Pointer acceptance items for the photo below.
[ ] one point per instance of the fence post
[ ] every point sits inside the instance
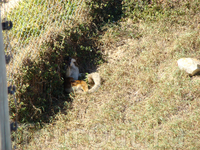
(5, 140)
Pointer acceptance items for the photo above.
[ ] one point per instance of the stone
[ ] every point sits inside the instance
(190, 65)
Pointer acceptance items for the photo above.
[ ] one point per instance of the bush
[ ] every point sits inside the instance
(105, 11)
(40, 81)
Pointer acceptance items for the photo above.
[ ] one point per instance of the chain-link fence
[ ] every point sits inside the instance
(44, 32)
(31, 20)
(35, 47)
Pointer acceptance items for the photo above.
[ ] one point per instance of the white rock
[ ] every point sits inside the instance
(190, 65)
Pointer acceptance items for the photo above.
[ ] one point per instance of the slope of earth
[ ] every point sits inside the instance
(145, 101)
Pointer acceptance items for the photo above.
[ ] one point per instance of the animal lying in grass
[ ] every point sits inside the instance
(80, 86)
(71, 82)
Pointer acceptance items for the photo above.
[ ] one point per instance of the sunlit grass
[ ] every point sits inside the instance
(145, 101)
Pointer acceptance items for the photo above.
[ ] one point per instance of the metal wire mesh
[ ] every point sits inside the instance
(31, 19)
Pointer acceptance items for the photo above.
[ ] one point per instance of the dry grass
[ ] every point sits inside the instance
(145, 101)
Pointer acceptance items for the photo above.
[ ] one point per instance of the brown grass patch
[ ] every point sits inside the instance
(145, 101)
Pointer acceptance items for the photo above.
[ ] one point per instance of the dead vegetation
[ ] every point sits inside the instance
(145, 101)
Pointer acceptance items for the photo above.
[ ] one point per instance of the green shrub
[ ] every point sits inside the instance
(40, 82)
(105, 11)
